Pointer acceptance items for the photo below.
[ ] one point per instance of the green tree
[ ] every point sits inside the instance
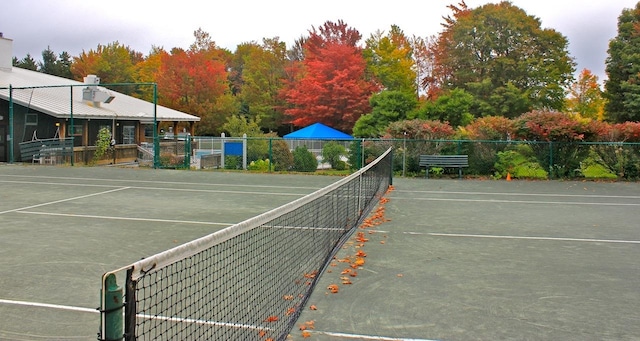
(26, 63)
(453, 107)
(622, 89)
(386, 107)
(303, 160)
(56, 65)
(497, 50)
(389, 59)
(238, 126)
(257, 75)
(332, 153)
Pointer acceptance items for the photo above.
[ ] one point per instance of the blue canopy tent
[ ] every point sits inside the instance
(318, 131)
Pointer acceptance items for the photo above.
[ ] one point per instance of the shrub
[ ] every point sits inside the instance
(332, 153)
(103, 144)
(259, 165)
(303, 160)
(520, 163)
(281, 155)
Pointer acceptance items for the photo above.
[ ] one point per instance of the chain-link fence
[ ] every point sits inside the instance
(519, 159)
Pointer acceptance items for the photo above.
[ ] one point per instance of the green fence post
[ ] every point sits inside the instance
(187, 152)
(112, 309)
(550, 160)
(156, 138)
(10, 124)
(270, 153)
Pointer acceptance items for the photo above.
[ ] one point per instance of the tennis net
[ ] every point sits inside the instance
(250, 280)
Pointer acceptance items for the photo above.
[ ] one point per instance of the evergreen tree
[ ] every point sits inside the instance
(622, 89)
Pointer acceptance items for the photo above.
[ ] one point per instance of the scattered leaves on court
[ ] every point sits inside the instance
(333, 288)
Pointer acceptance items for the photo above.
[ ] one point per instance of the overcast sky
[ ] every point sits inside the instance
(77, 25)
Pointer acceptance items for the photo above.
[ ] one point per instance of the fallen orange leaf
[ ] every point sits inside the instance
(306, 334)
(271, 318)
(333, 288)
(313, 307)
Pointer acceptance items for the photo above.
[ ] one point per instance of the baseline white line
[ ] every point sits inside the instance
(365, 337)
(158, 188)
(64, 200)
(126, 218)
(494, 201)
(46, 305)
(527, 238)
(155, 182)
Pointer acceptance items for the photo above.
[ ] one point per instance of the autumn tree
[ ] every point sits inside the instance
(585, 96)
(497, 50)
(622, 89)
(148, 70)
(190, 82)
(423, 65)
(195, 81)
(113, 63)
(390, 60)
(332, 87)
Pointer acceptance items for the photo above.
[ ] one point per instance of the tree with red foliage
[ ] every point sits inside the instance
(332, 86)
(192, 82)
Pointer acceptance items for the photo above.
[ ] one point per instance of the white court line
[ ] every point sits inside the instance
(126, 218)
(494, 201)
(365, 337)
(203, 322)
(527, 238)
(46, 305)
(64, 200)
(528, 194)
(154, 182)
(158, 188)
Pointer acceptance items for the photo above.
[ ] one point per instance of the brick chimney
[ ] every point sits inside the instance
(6, 53)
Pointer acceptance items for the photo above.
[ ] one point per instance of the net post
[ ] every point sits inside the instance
(111, 309)
(130, 307)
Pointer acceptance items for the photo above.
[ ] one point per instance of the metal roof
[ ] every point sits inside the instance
(55, 101)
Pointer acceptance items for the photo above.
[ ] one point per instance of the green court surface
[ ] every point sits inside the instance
(458, 260)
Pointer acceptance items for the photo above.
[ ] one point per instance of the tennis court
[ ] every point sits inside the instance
(458, 260)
